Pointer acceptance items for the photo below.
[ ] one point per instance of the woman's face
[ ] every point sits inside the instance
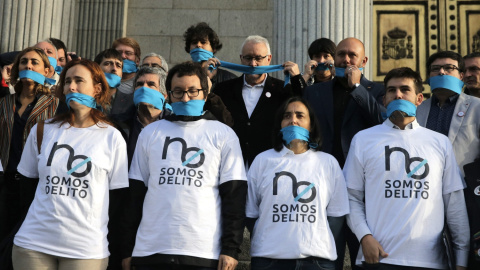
(32, 61)
(78, 79)
(296, 115)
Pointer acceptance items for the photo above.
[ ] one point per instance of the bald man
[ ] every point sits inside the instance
(344, 106)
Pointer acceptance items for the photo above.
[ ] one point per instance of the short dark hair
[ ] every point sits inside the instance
(58, 44)
(446, 54)
(315, 132)
(322, 45)
(108, 53)
(188, 68)
(471, 55)
(201, 32)
(405, 72)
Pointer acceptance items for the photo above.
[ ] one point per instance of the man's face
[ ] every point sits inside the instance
(445, 66)
(186, 87)
(350, 52)
(148, 80)
(152, 61)
(127, 52)
(112, 65)
(472, 73)
(401, 88)
(48, 48)
(202, 44)
(62, 61)
(255, 54)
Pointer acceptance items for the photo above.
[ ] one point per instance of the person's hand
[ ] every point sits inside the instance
(353, 75)
(372, 250)
(212, 61)
(69, 56)
(126, 263)
(6, 71)
(226, 263)
(290, 67)
(308, 69)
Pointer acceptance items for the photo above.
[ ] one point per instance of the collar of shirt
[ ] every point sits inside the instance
(261, 85)
(411, 125)
(451, 99)
(287, 152)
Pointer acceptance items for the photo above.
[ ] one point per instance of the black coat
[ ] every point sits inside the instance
(255, 133)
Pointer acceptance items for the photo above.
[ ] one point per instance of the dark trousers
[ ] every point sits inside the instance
(350, 239)
(171, 267)
(384, 266)
(311, 263)
(10, 213)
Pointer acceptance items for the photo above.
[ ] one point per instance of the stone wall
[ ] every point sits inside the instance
(159, 25)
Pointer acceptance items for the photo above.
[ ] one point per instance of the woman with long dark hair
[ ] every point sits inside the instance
(80, 158)
(297, 196)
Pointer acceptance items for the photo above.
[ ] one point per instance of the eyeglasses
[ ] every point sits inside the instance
(178, 93)
(448, 68)
(127, 53)
(257, 58)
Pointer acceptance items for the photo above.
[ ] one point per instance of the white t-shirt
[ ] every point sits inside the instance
(182, 164)
(76, 169)
(404, 174)
(292, 195)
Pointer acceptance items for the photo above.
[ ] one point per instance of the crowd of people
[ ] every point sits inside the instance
(123, 163)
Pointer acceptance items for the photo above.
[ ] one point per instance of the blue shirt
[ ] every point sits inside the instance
(439, 118)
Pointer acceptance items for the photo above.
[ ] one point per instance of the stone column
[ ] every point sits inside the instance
(98, 24)
(86, 26)
(299, 23)
(25, 22)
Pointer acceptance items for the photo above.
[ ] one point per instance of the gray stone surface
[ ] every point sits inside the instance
(156, 44)
(222, 4)
(150, 4)
(246, 22)
(166, 22)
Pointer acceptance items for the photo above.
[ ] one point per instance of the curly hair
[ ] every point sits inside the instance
(201, 32)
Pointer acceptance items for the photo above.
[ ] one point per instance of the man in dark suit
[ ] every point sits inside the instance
(254, 99)
(344, 106)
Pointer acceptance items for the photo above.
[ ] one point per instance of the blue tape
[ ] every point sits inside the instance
(340, 72)
(304, 191)
(82, 99)
(32, 75)
(417, 168)
(79, 165)
(447, 82)
(129, 66)
(150, 96)
(193, 107)
(199, 55)
(290, 133)
(401, 105)
(192, 157)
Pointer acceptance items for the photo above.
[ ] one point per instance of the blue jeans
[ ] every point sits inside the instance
(311, 263)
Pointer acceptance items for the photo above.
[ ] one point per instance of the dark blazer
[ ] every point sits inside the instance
(472, 200)
(362, 111)
(255, 133)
